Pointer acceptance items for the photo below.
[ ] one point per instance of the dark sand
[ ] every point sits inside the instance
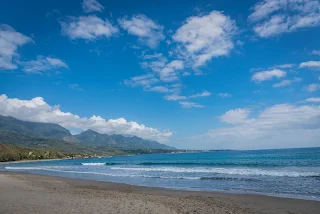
(25, 193)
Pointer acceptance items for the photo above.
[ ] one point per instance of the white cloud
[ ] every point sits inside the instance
(10, 41)
(75, 87)
(185, 104)
(278, 126)
(310, 64)
(160, 89)
(224, 95)
(205, 37)
(143, 80)
(287, 82)
(285, 66)
(91, 6)
(175, 97)
(313, 100)
(316, 52)
(42, 64)
(169, 72)
(313, 87)
(275, 17)
(152, 56)
(205, 93)
(236, 116)
(155, 63)
(37, 110)
(148, 31)
(268, 75)
(87, 27)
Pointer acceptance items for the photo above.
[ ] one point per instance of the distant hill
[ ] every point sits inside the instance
(47, 130)
(48, 135)
(96, 139)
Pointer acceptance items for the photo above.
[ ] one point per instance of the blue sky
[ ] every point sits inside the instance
(198, 74)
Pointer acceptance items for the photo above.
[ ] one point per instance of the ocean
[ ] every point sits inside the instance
(293, 173)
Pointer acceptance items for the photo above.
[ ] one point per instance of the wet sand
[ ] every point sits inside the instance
(26, 193)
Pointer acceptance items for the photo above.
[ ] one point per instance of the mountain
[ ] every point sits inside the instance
(39, 135)
(48, 144)
(36, 142)
(47, 130)
(96, 139)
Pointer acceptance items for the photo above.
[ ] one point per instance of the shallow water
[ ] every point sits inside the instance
(286, 172)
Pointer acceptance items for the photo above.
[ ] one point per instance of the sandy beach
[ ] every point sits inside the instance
(26, 193)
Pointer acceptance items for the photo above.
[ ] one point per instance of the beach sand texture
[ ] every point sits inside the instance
(26, 193)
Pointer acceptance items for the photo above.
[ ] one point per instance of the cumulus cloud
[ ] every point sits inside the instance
(313, 87)
(310, 64)
(236, 116)
(275, 17)
(313, 100)
(268, 75)
(202, 38)
(87, 27)
(185, 104)
(37, 110)
(148, 31)
(224, 95)
(42, 64)
(278, 126)
(91, 6)
(10, 41)
(285, 83)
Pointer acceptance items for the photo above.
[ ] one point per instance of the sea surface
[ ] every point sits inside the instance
(293, 173)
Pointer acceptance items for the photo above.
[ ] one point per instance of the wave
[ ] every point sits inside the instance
(99, 173)
(217, 178)
(228, 179)
(93, 164)
(193, 164)
(229, 171)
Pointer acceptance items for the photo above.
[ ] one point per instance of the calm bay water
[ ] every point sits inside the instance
(286, 172)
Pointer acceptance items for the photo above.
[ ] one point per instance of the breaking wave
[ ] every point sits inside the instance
(228, 171)
(93, 164)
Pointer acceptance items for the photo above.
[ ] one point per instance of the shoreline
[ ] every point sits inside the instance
(29, 161)
(166, 189)
(129, 196)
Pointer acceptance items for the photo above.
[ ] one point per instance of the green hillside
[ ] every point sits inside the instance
(16, 153)
(47, 130)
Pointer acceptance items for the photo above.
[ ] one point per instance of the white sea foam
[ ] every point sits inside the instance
(93, 164)
(102, 173)
(228, 171)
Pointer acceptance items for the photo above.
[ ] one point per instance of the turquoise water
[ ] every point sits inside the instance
(285, 173)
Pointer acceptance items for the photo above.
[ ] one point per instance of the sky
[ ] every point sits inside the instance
(195, 75)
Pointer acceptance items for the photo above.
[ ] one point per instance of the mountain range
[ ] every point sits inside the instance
(22, 133)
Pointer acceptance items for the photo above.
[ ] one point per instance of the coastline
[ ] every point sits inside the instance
(29, 161)
(23, 193)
